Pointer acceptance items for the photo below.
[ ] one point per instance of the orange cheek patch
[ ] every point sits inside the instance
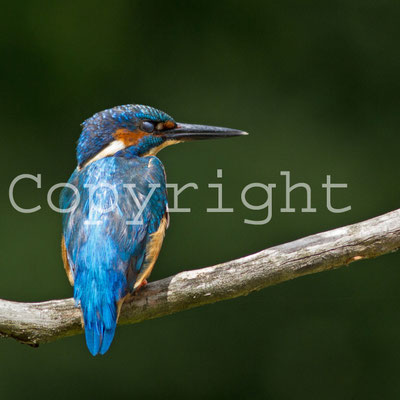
(165, 125)
(129, 138)
(169, 125)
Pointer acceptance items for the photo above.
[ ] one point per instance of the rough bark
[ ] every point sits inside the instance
(35, 323)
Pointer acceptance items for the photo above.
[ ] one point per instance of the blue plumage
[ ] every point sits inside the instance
(105, 253)
(113, 231)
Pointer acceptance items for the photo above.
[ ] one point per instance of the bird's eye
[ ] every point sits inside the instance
(147, 127)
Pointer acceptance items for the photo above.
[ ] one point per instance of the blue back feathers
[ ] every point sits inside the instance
(104, 252)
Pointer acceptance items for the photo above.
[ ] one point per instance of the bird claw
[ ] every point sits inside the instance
(143, 284)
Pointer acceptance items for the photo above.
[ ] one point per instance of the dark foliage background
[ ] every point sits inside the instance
(316, 83)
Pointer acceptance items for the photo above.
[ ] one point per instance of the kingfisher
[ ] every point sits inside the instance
(115, 209)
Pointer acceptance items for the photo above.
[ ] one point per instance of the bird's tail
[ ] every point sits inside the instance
(100, 320)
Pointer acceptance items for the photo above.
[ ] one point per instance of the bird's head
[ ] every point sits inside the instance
(139, 130)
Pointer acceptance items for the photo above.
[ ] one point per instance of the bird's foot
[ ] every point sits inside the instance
(143, 284)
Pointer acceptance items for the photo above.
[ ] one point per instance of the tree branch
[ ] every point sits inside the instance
(35, 323)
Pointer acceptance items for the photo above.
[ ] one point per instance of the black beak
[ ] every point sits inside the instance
(200, 132)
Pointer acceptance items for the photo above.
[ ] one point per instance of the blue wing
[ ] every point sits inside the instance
(109, 248)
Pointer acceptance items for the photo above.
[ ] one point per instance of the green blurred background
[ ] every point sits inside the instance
(316, 83)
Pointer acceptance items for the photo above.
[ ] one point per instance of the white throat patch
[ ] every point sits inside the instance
(110, 150)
